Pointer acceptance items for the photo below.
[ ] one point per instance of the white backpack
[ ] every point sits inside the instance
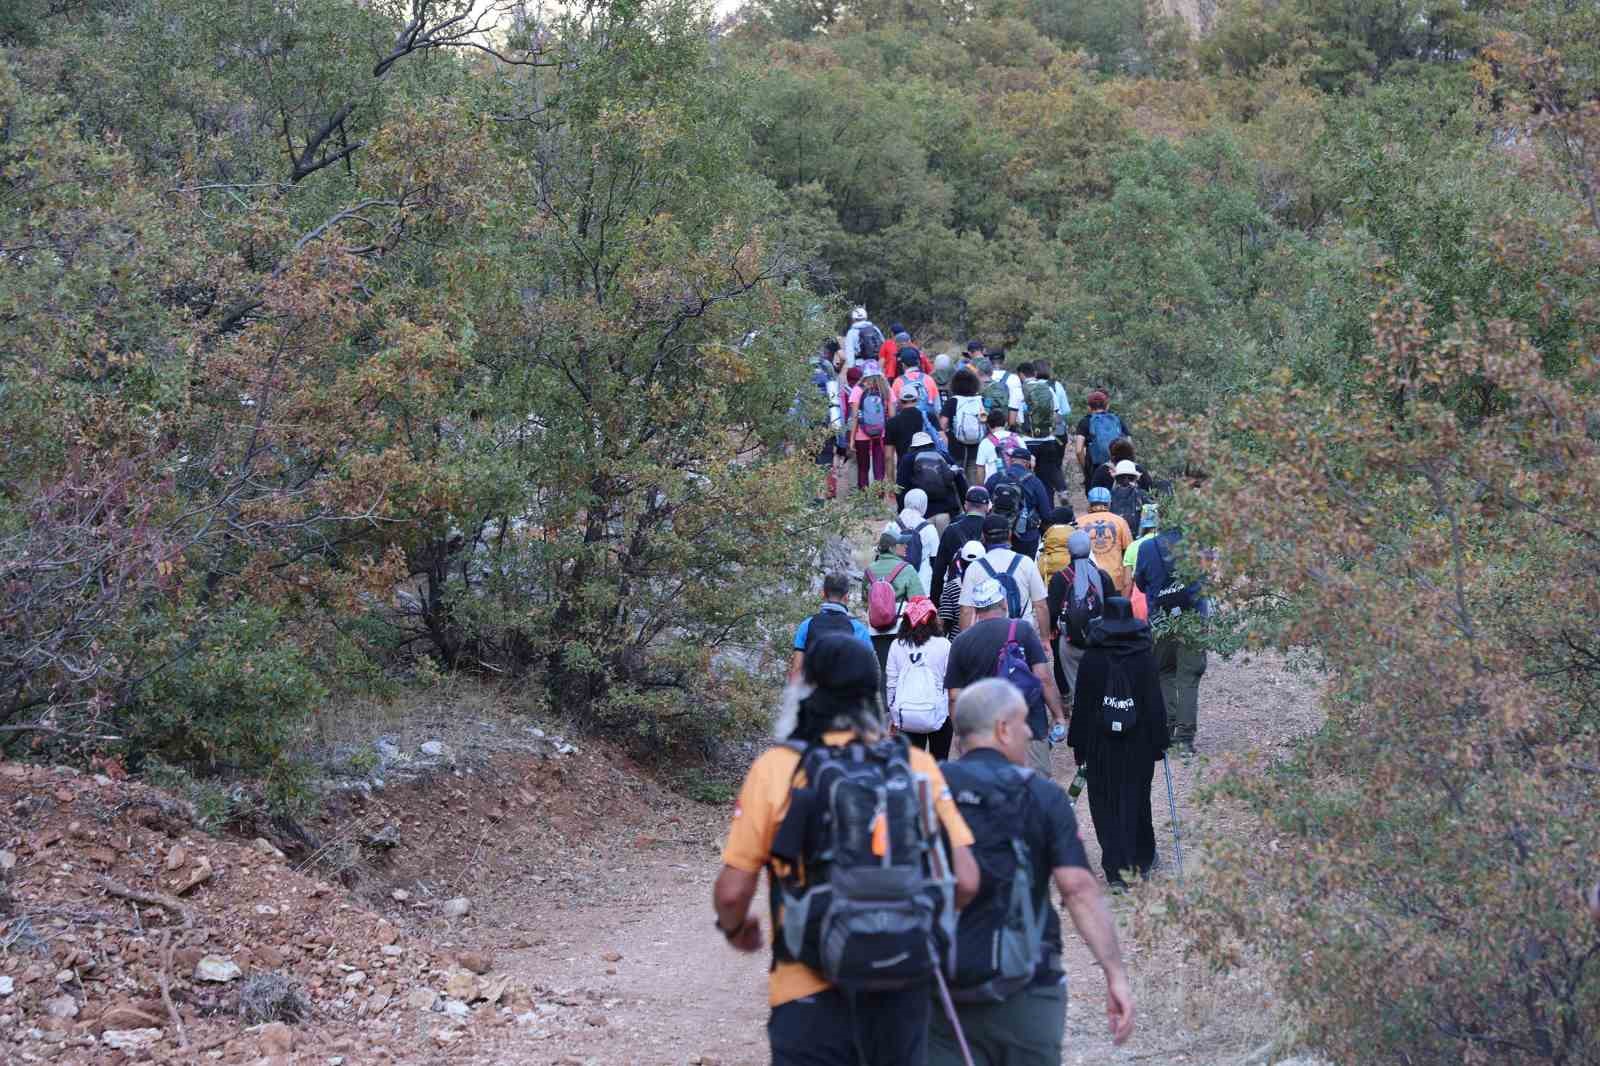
(919, 705)
(969, 420)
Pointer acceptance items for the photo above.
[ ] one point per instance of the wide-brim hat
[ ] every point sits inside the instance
(1117, 619)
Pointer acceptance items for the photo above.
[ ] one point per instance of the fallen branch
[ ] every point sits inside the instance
(153, 899)
(166, 988)
(53, 731)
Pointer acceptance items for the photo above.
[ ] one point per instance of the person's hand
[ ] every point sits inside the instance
(748, 938)
(1119, 1007)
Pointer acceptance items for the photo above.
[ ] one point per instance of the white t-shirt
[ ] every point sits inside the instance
(989, 457)
(1013, 388)
(1029, 583)
(935, 653)
(930, 543)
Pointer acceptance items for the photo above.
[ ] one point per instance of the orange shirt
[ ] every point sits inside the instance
(764, 800)
(1109, 538)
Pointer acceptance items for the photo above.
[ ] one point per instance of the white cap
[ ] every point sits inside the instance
(920, 437)
(858, 314)
(987, 593)
(972, 551)
(1126, 468)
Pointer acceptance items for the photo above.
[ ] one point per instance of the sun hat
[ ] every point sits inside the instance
(920, 437)
(1126, 468)
(987, 593)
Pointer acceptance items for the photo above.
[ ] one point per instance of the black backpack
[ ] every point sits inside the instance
(931, 473)
(869, 901)
(914, 548)
(1119, 710)
(1000, 936)
(869, 341)
(1127, 501)
(1006, 496)
(1076, 617)
(825, 622)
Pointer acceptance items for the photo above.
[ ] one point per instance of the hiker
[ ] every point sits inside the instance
(1004, 379)
(968, 527)
(1127, 498)
(887, 583)
(1118, 734)
(1109, 537)
(862, 341)
(832, 617)
(1094, 434)
(1149, 524)
(944, 370)
(1017, 574)
(924, 467)
(950, 594)
(918, 375)
(993, 645)
(1180, 661)
(888, 352)
(1018, 492)
(1077, 596)
(1054, 557)
(997, 440)
(963, 418)
(913, 522)
(824, 376)
(914, 678)
(831, 715)
(869, 415)
(1121, 451)
(1063, 410)
(905, 423)
(1010, 986)
(1039, 423)
(904, 356)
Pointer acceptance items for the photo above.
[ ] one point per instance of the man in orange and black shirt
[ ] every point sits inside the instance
(813, 1023)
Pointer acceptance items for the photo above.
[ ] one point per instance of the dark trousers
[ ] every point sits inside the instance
(869, 452)
(1025, 1030)
(1047, 455)
(869, 1029)
(881, 645)
(1119, 804)
(1181, 667)
(936, 743)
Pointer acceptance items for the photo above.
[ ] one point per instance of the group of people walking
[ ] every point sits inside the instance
(997, 624)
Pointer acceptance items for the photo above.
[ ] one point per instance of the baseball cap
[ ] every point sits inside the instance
(1149, 516)
(920, 437)
(978, 494)
(859, 314)
(1019, 451)
(972, 551)
(908, 394)
(1126, 468)
(996, 527)
(987, 593)
(1099, 494)
(974, 346)
(983, 364)
(892, 538)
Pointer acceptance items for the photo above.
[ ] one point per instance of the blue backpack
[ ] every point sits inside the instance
(1008, 582)
(1104, 427)
(1012, 665)
(872, 416)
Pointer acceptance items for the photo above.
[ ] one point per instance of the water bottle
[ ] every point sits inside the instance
(1075, 789)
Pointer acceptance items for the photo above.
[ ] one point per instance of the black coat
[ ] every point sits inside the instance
(1090, 743)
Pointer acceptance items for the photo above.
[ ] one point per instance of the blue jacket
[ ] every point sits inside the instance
(1155, 573)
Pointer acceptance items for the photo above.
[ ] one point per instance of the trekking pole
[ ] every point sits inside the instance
(950, 1012)
(1172, 805)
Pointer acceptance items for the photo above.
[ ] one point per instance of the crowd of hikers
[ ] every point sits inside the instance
(909, 890)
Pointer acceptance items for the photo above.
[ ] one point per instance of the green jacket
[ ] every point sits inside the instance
(907, 585)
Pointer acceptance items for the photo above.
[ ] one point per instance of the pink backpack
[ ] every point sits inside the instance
(883, 605)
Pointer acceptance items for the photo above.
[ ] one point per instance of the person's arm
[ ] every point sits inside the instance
(1092, 918)
(967, 876)
(969, 615)
(891, 679)
(1046, 674)
(797, 661)
(1041, 624)
(731, 897)
(952, 694)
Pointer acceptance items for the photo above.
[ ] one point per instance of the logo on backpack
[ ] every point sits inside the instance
(883, 603)
(968, 422)
(1104, 427)
(870, 903)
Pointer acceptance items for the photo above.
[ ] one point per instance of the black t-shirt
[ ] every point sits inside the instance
(899, 430)
(976, 651)
(1049, 832)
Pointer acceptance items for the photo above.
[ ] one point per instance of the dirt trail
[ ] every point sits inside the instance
(637, 975)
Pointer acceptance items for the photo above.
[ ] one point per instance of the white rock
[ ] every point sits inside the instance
(66, 977)
(394, 951)
(527, 1018)
(459, 907)
(353, 979)
(399, 895)
(6, 986)
(456, 1009)
(130, 1039)
(61, 1007)
(216, 968)
(7, 860)
(433, 749)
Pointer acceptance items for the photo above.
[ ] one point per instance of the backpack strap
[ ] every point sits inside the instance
(1011, 632)
(983, 561)
(896, 572)
(1016, 561)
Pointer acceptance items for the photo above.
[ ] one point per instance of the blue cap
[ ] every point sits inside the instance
(1099, 494)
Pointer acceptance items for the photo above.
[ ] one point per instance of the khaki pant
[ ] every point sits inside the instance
(1039, 756)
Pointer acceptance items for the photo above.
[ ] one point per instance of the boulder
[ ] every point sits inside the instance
(216, 968)
(129, 1040)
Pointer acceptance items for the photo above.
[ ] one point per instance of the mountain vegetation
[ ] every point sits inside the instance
(345, 343)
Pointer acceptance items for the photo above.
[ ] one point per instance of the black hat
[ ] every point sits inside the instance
(977, 494)
(996, 527)
(974, 346)
(839, 663)
(1117, 620)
